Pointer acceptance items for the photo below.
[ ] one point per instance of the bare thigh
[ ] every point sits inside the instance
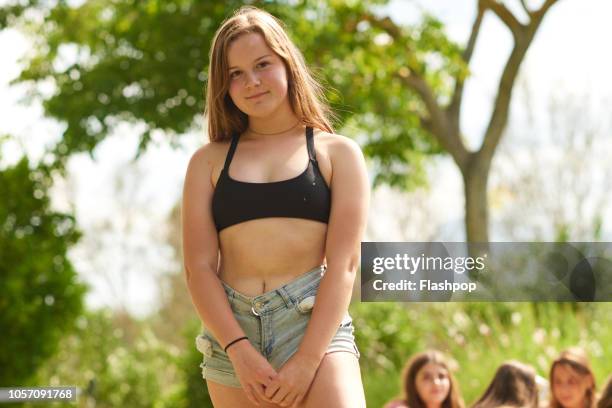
(337, 383)
(223, 396)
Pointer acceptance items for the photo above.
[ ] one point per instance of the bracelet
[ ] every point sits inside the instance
(235, 341)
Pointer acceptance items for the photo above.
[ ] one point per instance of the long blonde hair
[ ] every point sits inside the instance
(305, 94)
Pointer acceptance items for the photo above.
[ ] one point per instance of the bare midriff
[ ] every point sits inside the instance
(261, 255)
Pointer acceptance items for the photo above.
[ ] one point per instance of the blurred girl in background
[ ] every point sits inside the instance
(572, 381)
(427, 382)
(514, 385)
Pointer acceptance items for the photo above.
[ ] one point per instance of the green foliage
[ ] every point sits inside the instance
(119, 362)
(146, 62)
(359, 61)
(383, 339)
(41, 296)
(478, 336)
(11, 12)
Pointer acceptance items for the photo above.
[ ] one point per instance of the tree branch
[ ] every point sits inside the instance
(504, 15)
(385, 24)
(469, 49)
(499, 117)
(542, 10)
(437, 121)
(454, 108)
(524, 4)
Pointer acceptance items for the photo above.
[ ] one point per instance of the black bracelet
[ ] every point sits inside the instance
(235, 341)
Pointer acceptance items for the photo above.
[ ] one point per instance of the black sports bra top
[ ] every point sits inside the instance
(304, 196)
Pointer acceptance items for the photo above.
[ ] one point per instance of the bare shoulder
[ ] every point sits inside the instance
(209, 158)
(210, 153)
(337, 147)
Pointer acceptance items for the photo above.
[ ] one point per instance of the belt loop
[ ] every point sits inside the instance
(289, 302)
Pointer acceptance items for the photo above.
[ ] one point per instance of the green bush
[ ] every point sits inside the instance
(41, 295)
(118, 362)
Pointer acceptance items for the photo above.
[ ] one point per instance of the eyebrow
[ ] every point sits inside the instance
(256, 59)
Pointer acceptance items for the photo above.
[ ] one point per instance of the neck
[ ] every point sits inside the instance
(272, 132)
(280, 121)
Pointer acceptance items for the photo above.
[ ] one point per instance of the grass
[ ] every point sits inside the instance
(478, 337)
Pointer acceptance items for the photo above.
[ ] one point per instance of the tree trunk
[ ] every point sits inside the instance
(475, 178)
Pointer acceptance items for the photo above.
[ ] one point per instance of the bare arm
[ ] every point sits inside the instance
(201, 255)
(350, 198)
(201, 249)
(347, 221)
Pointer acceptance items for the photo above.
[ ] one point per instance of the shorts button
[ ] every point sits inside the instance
(258, 305)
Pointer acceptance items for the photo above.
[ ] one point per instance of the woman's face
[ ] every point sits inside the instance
(258, 78)
(433, 384)
(570, 387)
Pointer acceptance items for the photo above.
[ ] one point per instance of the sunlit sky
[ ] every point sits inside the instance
(569, 56)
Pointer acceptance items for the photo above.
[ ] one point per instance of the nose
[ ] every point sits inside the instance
(252, 79)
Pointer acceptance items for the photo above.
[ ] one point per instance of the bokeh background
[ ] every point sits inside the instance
(480, 120)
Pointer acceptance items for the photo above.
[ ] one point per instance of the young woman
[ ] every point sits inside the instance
(428, 383)
(571, 380)
(514, 385)
(274, 208)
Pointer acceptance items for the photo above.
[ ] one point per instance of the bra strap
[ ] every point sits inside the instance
(310, 144)
(230, 152)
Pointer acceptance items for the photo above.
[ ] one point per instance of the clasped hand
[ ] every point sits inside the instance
(261, 382)
(292, 383)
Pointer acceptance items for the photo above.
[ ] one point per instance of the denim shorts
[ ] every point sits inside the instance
(275, 323)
